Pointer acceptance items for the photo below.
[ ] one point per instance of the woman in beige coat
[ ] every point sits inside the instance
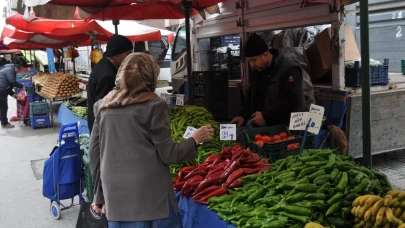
(131, 148)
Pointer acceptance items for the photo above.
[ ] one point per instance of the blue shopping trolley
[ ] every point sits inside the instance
(63, 170)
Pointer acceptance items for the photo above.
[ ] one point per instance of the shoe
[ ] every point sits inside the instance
(9, 125)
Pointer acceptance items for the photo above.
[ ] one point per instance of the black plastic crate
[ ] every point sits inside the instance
(403, 67)
(277, 150)
(378, 75)
(39, 108)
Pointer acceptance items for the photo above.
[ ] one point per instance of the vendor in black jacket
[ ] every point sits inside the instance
(102, 78)
(275, 86)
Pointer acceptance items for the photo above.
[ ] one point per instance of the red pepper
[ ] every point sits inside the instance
(254, 155)
(235, 184)
(205, 192)
(190, 185)
(195, 172)
(252, 160)
(219, 192)
(234, 166)
(211, 158)
(216, 170)
(226, 152)
(249, 171)
(234, 176)
(265, 161)
(211, 180)
(253, 165)
(188, 168)
(235, 148)
(265, 168)
(240, 154)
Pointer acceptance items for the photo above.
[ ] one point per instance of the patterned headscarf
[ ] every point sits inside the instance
(135, 83)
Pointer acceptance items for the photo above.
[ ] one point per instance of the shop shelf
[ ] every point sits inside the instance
(378, 75)
(276, 151)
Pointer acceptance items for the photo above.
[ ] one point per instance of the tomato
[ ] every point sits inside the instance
(297, 145)
(290, 137)
(283, 138)
(260, 143)
(266, 139)
(276, 138)
(258, 137)
(290, 147)
(283, 134)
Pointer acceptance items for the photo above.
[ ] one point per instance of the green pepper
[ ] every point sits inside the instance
(351, 196)
(282, 165)
(346, 212)
(298, 218)
(240, 208)
(283, 176)
(306, 187)
(367, 171)
(258, 194)
(334, 173)
(275, 224)
(343, 182)
(364, 184)
(339, 222)
(320, 218)
(298, 225)
(296, 197)
(335, 198)
(303, 181)
(324, 187)
(271, 192)
(315, 174)
(331, 162)
(242, 222)
(310, 204)
(271, 185)
(334, 208)
(226, 211)
(337, 179)
(305, 172)
(315, 157)
(316, 163)
(225, 204)
(221, 199)
(290, 185)
(250, 178)
(315, 196)
(322, 179)
(346, 166)
(298, 210)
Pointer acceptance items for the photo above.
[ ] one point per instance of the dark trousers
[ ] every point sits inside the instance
(3, 110)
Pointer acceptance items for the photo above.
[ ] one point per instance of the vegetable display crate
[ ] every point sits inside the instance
(378, 75)
(26, 82)
(39, 108)
(277, 150)
(88, 182)
(403, 67)
(40, 121)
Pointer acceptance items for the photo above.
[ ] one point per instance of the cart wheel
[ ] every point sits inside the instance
(55, 210)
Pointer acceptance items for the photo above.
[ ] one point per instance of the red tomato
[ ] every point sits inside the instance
(290, 147)
(297, 145)
(276, 138)
(258, 137)
(266, 139)
(283, 138)
(283, 134)
(260, 143)
(290, 137)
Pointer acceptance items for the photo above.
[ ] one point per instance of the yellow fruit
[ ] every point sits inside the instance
(361, 212)
(362, 223)
(402, 205)
(313, 225)
(402, 217)
(398, 221)
(385, 221)
(356, 202)
(377, 206)
(356, 212)
(390, 216)
(397, 203)
(372, 200)
(367, 215)
(369, 224)
(380, 215)
(401, 196)
(353, 210)
(357, 220)
(401, 226)
(364, 199)
(394, 193)
(387, 225)
(387, 198)
(398, 212)
(392, 202)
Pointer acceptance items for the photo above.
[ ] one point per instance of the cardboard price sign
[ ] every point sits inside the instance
(313, 118)
(227, 132)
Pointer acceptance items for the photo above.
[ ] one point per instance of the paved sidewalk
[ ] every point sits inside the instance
(22, 151)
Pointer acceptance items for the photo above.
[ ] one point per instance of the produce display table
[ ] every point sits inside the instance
(51, 100)
(194, 215)
(66, 116)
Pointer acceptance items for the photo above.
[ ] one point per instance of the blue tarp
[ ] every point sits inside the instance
(66, 116)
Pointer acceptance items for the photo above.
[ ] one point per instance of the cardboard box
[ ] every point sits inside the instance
(320, 52)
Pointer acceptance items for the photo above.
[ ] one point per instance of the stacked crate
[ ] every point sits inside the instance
(39, 114)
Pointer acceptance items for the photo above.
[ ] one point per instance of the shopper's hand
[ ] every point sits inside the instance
(97, 209)
(238, 120)
(204, 134)
(258, 119)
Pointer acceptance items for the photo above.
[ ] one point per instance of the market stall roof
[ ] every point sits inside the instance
(10, 51)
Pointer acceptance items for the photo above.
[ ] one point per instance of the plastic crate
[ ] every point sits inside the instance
(88, 181)
(40, 121)
(378, 75)
(39, 108)
(26, 82)
(276, 151)
(35, 98)
(23, 74)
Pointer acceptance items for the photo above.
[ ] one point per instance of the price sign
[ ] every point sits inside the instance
(189, 132)
(180, 100)
(227, 132)
(167, 98)
(315, 117)
(162, 96)
(298, 121)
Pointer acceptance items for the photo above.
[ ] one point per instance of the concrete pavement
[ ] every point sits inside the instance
(22, 151)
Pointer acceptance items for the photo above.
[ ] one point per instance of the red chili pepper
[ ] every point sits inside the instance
(190, 185)
(253, 165)
(216, 170)
(240, 154)
(265, 168)
(211, 158)
(254, 155)
(252, 160)
(195, 172)
(249, 171)
(234, 166)
(226, 152)
(219, 192)
(211, 180)
(188, 168)
(205, 191)
(234, 176)
(265, 161)
(235, 184)
(236, 148)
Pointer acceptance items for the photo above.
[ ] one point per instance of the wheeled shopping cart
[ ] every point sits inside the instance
(63, 170)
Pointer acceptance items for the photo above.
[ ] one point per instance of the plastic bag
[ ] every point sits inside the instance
(298, 37)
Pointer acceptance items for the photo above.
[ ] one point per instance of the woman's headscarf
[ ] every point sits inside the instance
(135, 83)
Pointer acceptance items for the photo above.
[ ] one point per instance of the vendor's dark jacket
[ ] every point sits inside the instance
(8, 80)
(276, 92)
(101, 82)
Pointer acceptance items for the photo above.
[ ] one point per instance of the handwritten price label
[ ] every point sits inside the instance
(189, 132)
(316, 116)
(180, 100)
(227, 132)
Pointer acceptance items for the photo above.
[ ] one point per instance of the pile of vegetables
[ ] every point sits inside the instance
(193, 116)
(319, 186)
(260, 140)
(218, 173)
(371, 210)
(81, 112)
(61, 85)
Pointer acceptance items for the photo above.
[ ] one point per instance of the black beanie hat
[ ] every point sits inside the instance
(118, 44)
(255, 46)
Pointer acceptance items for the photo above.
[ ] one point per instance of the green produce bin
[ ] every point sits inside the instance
(278, 150)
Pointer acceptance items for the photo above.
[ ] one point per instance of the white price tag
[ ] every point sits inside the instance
(189, 132)
(227, 132)
(298, 121)
(162, 96)
(316, 116)
(168, 101)
(180, 100)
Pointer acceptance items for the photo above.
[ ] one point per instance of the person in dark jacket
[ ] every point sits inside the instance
(102, 78)
(275, 86)
(7, 83)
